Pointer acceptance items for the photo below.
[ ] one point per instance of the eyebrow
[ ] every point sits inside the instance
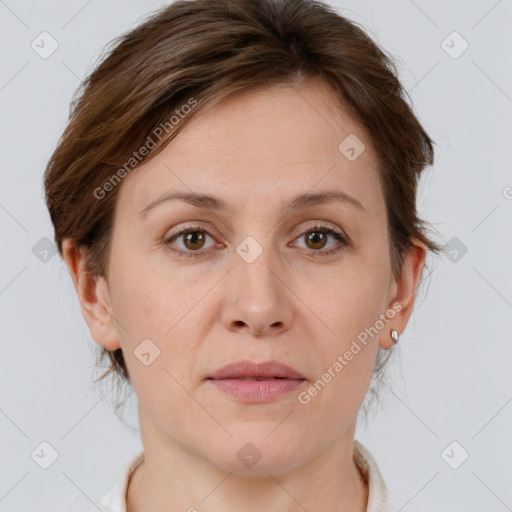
(210, 202)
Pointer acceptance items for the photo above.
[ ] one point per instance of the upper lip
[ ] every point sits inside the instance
(248, 369)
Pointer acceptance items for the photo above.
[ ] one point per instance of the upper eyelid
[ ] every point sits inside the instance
(202, 226)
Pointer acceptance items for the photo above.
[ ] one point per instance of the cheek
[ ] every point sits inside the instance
(351, 310)
(351, 299)
(156, 304)
(148, 298)
(346, 363)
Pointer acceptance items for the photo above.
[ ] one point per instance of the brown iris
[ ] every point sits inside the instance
(192, 238)
(315, 237)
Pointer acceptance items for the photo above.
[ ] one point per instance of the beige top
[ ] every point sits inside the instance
(115, 500)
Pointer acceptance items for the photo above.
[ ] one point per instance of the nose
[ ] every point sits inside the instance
(257, 299)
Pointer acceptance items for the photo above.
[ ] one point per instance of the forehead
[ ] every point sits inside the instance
(261, 144)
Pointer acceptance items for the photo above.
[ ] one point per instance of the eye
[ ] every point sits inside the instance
(194, 238)
(317, 237)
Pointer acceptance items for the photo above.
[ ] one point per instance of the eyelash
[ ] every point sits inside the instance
(344, 242)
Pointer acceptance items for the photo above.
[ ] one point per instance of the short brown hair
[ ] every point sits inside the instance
(207, 50)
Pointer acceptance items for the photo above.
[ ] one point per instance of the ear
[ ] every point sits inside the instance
(93, 296)
(403, 291)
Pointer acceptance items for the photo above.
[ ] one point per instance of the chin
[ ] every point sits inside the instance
(258, 451)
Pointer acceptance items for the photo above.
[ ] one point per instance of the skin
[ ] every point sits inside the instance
(255, 150)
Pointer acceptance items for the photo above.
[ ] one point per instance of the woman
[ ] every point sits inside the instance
(235, 198)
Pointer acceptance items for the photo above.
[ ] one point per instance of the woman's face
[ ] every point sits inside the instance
(253, 282)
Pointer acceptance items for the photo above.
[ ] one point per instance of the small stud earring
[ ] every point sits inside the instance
(394, 335)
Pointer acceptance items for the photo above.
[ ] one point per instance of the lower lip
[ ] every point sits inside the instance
(256, 390)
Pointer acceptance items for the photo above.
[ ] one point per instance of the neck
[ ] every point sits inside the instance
(173, 478)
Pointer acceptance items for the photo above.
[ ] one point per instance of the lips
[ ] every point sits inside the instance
(256, 383)
(249, 370)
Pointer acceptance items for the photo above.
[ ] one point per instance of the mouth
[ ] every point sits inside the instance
(246, 381)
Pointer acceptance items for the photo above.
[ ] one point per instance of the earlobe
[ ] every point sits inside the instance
(404, 292)
(94, 298)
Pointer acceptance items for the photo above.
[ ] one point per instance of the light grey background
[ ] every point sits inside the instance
(451, 377)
